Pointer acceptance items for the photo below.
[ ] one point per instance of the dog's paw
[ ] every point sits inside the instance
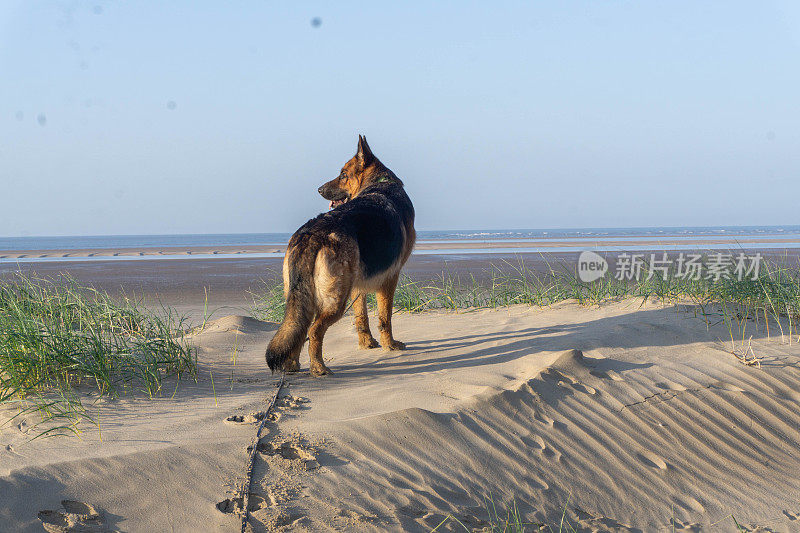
(320, 370)
(291, 366)
(366, 343)
(394, 345)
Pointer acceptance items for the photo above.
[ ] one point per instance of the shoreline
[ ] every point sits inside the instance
(421, 246)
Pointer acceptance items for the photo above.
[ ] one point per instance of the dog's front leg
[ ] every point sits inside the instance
(385, 297)
(365, 338)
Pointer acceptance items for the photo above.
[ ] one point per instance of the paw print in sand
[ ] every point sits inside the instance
(291, 451)
(75, 517)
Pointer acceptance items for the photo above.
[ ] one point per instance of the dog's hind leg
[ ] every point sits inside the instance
(385, 297)
(315, 336)
(365, 338)
(334, 284)
(335, 271)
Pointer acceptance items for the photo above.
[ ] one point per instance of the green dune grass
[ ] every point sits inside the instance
(770, 303)
(57, 337)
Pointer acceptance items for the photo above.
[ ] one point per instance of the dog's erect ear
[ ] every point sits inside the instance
(364, 154)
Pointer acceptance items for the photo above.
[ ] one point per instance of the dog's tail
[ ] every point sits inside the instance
(300, 307)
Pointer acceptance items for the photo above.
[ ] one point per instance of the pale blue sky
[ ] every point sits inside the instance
(495, 114)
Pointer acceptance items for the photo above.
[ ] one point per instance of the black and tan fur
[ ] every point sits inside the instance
(356, 248)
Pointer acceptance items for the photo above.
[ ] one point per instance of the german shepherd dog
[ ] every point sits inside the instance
(356, 248)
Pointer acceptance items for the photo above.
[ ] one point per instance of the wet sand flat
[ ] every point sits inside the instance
(472, 244)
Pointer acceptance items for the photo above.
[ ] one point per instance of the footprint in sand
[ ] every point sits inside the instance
(293, 402)
(289, 518)
(75, 517)
(255, 502)
(292, 452)
(251, 418)
(230, 505)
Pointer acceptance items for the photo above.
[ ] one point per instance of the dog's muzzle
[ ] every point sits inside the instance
(331, 192)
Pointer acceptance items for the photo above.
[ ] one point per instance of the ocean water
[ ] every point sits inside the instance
(442, 236)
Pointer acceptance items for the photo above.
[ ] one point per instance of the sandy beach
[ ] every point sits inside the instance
(573, 230)
(633, 416)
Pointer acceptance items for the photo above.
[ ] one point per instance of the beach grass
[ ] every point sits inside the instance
(768, 303)
(269, 303)
(60, 340)
(511, 520)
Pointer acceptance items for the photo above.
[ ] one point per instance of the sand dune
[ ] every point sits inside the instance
(629, 416)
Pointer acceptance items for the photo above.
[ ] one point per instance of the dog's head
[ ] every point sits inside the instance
(363, 170)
